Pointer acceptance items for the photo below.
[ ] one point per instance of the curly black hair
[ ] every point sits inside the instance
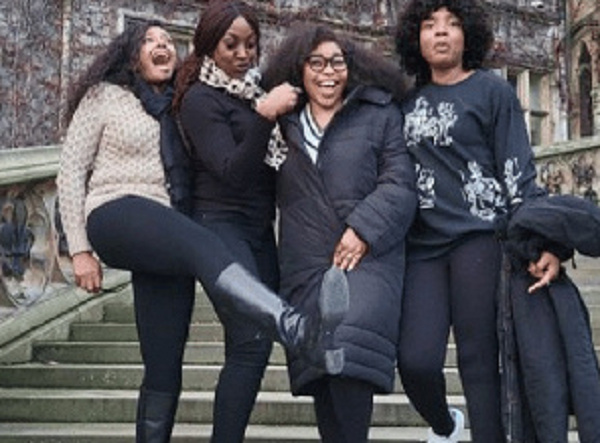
(365, 67)
(476, 24)
(116, 64)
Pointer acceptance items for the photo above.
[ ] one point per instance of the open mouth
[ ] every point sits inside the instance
(161, 57)
(329, 84)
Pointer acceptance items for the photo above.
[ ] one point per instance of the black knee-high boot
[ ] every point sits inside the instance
(155, 416)
(310, 336)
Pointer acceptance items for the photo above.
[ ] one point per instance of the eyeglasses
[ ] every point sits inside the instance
(318, 63)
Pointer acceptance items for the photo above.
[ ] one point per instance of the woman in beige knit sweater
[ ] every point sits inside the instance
(123, 186)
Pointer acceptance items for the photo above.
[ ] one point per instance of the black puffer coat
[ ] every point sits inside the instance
(363, 179)
(550, 365)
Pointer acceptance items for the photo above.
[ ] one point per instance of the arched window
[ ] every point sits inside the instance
(586, 113)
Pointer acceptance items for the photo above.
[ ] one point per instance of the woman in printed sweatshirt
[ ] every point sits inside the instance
(467, 136)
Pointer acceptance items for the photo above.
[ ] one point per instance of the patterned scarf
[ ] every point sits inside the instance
(247, 88)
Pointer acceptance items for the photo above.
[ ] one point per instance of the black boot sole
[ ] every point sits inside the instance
(334, 301)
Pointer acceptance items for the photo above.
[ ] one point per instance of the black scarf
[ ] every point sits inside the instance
(173, 153)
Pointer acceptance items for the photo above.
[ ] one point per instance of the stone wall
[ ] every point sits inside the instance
(30, 74)
(527, 37)
(571, 168)
(45, 44)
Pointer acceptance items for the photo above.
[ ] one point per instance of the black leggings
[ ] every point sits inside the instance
(247, 351)
(141, 235)
(163, 309)
(343, 407)
(458, 289)
(163, 249)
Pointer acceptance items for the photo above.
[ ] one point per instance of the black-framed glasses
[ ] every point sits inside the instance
(318, 63)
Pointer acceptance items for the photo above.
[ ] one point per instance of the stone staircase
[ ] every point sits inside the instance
(84, 389)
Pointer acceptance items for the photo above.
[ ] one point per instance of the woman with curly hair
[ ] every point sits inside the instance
(346, 193)
(228, 121)
(122, 175)
(466, 133)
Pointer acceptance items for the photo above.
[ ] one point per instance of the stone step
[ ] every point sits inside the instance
(128, 352)
(210, 331)
(187, 433)
(123, 377)
(28, 407)
(119, 316)
(590, 291)
(205, 332)
(196, 433)
(586, 272)
(123, 311)
(103, 405)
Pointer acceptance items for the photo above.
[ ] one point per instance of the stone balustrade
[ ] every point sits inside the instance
(33, 255)
(570, 167)
(33, 258)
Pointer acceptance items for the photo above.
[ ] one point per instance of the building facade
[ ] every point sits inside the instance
(583, 36)
(44, 44)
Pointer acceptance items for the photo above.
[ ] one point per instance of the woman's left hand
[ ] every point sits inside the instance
(87, 271)
(349, 250)
(545, 270)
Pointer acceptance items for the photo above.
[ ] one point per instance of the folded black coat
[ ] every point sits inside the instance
(550, 368)
(565, 219)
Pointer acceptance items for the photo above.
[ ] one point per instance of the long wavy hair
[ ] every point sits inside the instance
(477, 29)
(117, 64)
(214, 22)
(365, 67)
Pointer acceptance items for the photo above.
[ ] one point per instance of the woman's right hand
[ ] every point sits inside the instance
(546, 269)
(350, 250)
(278, 101)
(87, 271)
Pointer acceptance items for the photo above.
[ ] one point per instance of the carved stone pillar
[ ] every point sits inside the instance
(33, 256)
(596, 108)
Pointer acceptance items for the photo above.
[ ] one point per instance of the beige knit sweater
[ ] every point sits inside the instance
(111, 150)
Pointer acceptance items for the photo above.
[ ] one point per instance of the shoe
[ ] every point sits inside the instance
(309, 336)
(459, 427)
(334, 301)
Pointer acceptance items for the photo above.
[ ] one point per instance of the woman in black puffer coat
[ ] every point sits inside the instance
(346, 194)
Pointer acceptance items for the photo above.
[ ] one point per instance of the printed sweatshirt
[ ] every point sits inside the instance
(472, 156)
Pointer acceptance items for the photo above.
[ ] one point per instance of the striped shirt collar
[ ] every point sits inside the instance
(311, 132)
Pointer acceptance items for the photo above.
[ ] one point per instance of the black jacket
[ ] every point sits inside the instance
(229, 143)
(364, 179)
(550, 367)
